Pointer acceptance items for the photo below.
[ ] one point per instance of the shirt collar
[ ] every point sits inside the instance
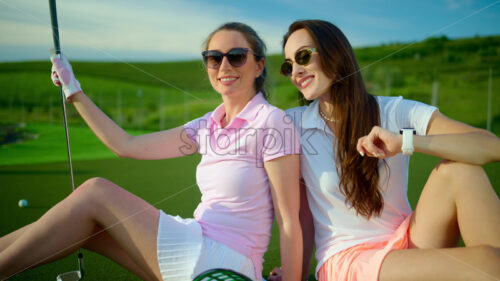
(248, 113)
(311, 118)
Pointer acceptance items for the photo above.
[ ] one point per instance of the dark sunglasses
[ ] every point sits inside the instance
(237, 57)
(302, 57)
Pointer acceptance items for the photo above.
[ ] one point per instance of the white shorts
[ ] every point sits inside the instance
(184, 253)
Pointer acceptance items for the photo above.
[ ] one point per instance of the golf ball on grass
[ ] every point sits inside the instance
(23, 203)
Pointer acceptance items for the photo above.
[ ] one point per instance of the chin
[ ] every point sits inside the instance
(309, 96)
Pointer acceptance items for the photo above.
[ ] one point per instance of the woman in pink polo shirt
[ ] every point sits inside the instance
(354, 164)
(249, 163)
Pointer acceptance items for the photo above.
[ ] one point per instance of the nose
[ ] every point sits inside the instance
(297, 69)
(225, 63)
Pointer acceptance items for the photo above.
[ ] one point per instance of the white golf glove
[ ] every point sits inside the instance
(62, 75)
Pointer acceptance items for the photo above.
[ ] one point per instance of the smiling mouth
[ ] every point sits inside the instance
(227, 80)
(306, 81)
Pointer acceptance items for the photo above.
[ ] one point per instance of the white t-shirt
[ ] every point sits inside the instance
(336, 226)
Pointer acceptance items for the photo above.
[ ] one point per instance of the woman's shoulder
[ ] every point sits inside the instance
(295, 114)
(398, 103)
(295, 110)
(199, 122)
(385, 101)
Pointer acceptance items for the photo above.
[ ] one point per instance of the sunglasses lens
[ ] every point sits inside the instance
(303, 56)
(212, 59)
(286, 68)
(237, 57)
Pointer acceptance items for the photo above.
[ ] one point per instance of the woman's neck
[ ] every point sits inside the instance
(328, 109)
(331, 114)
(234, 104)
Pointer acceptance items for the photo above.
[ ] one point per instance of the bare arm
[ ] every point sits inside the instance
(160, 145)
(283, 175)
(453, 140)
(446, 138)
(307, 226)
(306, 223)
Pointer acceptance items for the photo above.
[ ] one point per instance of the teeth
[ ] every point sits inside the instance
(306, 81)
(227, 79)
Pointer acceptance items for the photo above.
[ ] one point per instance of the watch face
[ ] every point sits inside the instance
(408, 129)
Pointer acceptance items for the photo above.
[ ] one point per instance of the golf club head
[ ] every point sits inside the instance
(70, 276)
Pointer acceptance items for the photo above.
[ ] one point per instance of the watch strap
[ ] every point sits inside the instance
(407, 141)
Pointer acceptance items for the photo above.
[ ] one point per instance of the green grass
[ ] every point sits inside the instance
(50, 146)
(167, 184)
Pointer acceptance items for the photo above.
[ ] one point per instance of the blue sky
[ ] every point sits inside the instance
(154, 30)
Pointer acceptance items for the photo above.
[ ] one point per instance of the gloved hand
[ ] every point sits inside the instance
(62, 75)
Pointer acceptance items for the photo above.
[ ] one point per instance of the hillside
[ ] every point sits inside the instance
(161, 95)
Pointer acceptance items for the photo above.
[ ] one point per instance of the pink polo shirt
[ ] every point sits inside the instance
(236, 206)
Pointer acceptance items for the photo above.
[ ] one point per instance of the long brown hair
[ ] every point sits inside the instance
(357, 112)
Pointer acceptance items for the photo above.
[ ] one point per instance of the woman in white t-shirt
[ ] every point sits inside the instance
(354, 165)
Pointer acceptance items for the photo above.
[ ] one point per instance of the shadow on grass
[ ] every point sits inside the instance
(36, 207)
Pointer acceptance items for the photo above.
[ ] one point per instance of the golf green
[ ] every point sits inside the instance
(167, 184)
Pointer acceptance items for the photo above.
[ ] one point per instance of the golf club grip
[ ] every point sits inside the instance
(55, 26)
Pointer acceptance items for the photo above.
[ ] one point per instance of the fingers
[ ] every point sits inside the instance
(62, 75)
(54, 58)
(55, 77)
(275, 274)
(369, 144)
(359, 146)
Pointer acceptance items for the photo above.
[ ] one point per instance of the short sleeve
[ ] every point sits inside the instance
(193, 127)
(397, 113)
(280, 136)
(414, 114)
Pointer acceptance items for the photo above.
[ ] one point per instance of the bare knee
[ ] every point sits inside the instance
(489, 256)
(486, 252)
(457, 169)
(457, 173)
(92, 189)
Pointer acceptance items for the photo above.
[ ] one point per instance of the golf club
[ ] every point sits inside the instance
(77, 274)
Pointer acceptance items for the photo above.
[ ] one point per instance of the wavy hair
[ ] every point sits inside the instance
(358, 112)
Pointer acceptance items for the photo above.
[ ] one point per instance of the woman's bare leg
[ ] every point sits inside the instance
(100, 243)
(129, 221)
(7, 240)
(457, 199)
(470, 263)
(103, 244)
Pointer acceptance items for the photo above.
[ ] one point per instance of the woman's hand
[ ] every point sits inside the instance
(379, 143)
(62, 75)
(275, 274)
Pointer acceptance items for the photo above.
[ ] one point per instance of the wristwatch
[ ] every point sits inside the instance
(407, 145)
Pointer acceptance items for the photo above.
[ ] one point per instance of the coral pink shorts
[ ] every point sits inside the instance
(362, 262)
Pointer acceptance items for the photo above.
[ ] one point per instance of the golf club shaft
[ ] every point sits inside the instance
(57, 46)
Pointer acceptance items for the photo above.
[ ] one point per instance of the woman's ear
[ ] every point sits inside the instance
(259, 67)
